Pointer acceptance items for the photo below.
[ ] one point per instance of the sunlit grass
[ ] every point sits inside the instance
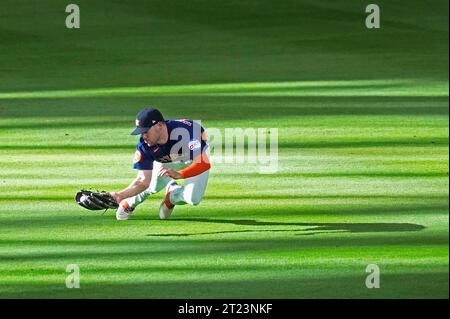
(362, 119)
(411, 87)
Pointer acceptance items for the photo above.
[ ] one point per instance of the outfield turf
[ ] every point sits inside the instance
(363, 148)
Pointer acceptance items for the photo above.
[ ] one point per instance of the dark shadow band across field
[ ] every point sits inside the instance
(350, 286)
(198, 246)
(84, 110)
(165, 246)
(439, 205)
(310, 227)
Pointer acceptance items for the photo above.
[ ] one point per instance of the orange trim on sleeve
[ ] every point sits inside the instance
(199, 165)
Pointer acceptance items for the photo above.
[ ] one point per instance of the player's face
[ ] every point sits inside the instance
(153, 135)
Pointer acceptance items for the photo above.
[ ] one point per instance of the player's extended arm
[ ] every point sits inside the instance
(199, 165)
(140, 184)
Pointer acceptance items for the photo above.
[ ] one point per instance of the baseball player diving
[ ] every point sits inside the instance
(167, 151)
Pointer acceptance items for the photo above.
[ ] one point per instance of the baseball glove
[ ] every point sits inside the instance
(95, 200)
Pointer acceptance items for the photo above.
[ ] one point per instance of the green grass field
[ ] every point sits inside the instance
(363, 129)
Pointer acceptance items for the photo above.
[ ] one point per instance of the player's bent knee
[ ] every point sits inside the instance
(195, 201)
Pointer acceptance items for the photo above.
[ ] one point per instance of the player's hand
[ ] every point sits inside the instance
(116, 196)
(168, 172)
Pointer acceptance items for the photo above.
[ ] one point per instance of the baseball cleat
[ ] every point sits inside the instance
(124, 211)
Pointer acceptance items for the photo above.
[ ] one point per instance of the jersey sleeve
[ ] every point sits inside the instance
(142, 161)
(198, 143)
(200, 164)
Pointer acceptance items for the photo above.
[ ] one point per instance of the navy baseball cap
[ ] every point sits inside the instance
(146, 119)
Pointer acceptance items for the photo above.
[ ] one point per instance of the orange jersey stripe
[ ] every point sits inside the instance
(199, 165)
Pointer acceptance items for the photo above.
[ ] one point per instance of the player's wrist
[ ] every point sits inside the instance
(117, 196)
(180, 175)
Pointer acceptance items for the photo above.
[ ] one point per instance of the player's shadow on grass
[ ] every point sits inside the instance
(307, 228)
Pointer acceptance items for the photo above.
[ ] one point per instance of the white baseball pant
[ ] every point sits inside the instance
(191, 193)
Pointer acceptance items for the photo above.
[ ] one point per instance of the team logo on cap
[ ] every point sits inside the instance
(137, 122)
